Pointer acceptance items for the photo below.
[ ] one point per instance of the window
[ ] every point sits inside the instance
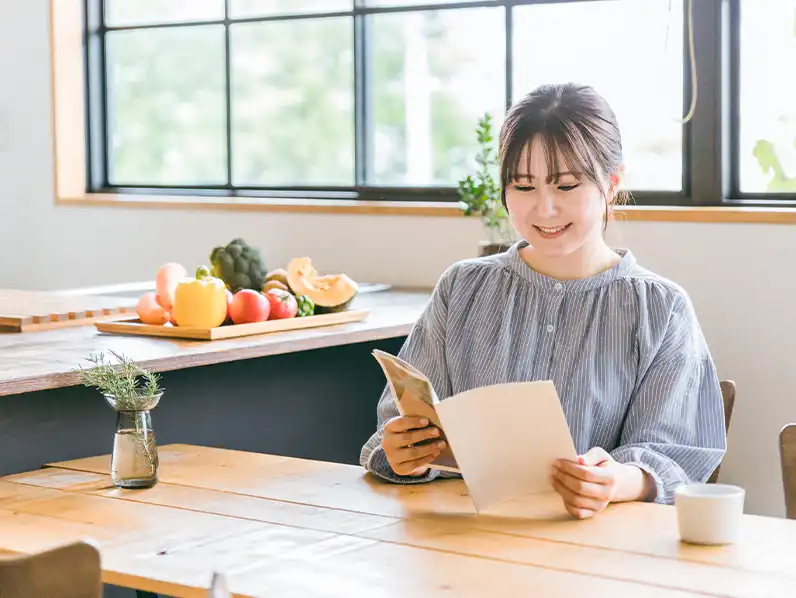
(165, 102)
(292, 102)
(766, 122)
(644, 86)
(371, 99)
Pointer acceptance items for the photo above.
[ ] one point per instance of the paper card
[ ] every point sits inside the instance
(415, 396)
(506, 439)
(411, 405)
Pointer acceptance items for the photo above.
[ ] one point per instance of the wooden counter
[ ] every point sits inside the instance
(44, 360)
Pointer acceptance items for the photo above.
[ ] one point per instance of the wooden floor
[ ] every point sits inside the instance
(279, 526)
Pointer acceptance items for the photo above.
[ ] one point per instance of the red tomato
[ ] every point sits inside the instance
(283, 304)
(249, 306)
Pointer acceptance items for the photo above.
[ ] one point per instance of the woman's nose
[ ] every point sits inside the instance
(547, 204)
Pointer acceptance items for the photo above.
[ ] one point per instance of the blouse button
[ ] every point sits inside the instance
(558, 286)
(550, 328)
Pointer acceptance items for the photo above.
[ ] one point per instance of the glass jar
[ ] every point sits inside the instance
(134, 463)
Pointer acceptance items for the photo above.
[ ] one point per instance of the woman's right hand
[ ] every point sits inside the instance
(402, 445)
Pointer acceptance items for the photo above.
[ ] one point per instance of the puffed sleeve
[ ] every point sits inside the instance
(424, 349)
(674, 428)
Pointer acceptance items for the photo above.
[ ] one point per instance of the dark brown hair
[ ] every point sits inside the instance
(572, 119)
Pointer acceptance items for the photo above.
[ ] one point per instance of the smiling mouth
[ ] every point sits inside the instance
(552, 232)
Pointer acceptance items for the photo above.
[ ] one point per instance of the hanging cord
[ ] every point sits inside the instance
(692, 57)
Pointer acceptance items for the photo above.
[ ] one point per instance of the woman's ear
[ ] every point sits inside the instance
(616, 182)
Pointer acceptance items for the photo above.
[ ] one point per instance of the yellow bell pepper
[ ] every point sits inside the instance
(200, 303)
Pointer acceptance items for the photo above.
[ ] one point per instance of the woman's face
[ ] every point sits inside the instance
(557, 213)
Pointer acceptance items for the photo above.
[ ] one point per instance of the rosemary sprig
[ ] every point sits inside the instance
(121, 380)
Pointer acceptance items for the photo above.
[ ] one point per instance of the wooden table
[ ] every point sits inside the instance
(286, 527)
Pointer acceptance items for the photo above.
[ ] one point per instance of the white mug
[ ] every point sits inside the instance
(709, 514)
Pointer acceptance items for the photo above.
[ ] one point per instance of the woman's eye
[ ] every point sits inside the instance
(523, 188)
(568, 187)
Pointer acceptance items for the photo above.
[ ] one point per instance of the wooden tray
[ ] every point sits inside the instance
(134, 326)
(28, 311)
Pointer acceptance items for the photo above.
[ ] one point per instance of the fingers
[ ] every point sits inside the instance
(409, 444)
(595, 456)
(422, 451)
(578, 513)
(577, 505)
(585, 489)
(406, 461)
(576, 501)
(585, 473)
(405, 423)
(601, 490)
(411, 436)
(416, 436)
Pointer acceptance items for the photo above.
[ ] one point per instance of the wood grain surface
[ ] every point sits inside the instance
(34, 311)
(43, 360)
(292, 527)
(134, 326)
(772, 541)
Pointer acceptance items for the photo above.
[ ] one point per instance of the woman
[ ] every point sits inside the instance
(622, 345)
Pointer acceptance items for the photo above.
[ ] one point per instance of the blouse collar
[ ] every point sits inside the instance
(623, 268)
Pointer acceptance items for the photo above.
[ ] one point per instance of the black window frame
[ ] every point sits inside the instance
(710, 141)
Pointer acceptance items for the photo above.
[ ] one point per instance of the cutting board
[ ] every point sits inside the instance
(136, 327)
(27, 311)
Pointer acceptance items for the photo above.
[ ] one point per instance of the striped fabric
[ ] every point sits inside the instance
(623, 348)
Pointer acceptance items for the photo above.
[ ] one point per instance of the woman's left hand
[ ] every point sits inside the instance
(589, 485)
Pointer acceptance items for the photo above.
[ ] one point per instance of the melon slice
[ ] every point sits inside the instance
(330, 293)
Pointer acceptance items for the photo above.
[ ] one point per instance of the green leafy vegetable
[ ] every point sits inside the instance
(239, 265)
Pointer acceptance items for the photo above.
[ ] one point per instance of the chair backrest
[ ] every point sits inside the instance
(728, 394)
(787, 455)
(68, 571)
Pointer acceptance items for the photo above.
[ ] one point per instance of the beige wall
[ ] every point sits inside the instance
(740, 276)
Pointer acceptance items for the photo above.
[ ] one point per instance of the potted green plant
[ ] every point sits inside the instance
(132, 392)
(479, 193)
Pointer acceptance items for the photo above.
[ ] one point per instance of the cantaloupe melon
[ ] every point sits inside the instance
(330, 293)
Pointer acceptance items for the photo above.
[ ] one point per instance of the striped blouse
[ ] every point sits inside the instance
(623, 348)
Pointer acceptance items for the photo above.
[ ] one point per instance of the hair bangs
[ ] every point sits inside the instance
(564, 149)
(564, 153)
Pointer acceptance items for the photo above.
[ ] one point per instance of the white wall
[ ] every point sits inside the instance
(741, 277)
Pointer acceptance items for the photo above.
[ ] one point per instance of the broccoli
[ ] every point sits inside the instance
(239, 265)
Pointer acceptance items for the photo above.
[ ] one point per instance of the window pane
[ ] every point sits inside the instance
(293, 102)
(119, 13)
(768, 97)
(631, 52)
(433, 74)
(242, 9)
(166, 108)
